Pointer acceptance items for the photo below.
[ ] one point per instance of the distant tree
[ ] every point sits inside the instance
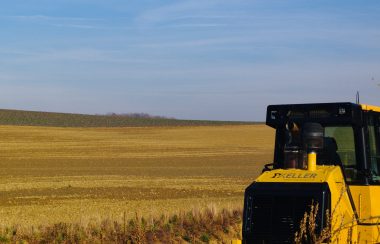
(138, 115)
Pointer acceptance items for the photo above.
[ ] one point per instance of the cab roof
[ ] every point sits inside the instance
(367, 107)
(325, 113)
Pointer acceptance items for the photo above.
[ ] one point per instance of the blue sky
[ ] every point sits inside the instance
(222, 60)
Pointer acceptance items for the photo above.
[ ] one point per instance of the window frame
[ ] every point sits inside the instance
(361, 151)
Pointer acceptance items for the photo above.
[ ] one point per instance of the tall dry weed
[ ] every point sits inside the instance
(336, 224)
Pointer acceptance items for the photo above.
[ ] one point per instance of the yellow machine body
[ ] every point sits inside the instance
(367, 202)
(352, 207)
(344, 222)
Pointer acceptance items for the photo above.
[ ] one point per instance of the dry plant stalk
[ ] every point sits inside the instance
(307, 232)
(329, 234)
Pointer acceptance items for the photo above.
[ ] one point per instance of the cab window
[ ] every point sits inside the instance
(374, 146)
(345, 148)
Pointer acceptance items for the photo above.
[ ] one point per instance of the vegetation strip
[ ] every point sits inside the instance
(196, 226)
(32, 118)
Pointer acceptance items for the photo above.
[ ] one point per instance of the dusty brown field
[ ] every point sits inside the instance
(77, 175)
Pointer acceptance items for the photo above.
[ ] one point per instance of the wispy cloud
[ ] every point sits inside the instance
(76, 26)
(59, 21)
(41, 17)
(184, 11)
(85, 55)
(196, 25)
(197, 42)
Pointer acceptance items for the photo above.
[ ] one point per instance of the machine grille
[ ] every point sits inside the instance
(273, 211)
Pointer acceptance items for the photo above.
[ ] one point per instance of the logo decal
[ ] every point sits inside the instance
(295, 176)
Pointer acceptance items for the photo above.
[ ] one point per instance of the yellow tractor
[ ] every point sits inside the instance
(324, 183)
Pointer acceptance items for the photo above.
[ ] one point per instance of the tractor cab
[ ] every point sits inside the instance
(342, 134)
(325, 153)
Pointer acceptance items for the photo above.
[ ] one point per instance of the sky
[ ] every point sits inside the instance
(197, 59)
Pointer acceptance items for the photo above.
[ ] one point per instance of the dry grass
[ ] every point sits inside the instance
(196, 226)
(75, 175)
